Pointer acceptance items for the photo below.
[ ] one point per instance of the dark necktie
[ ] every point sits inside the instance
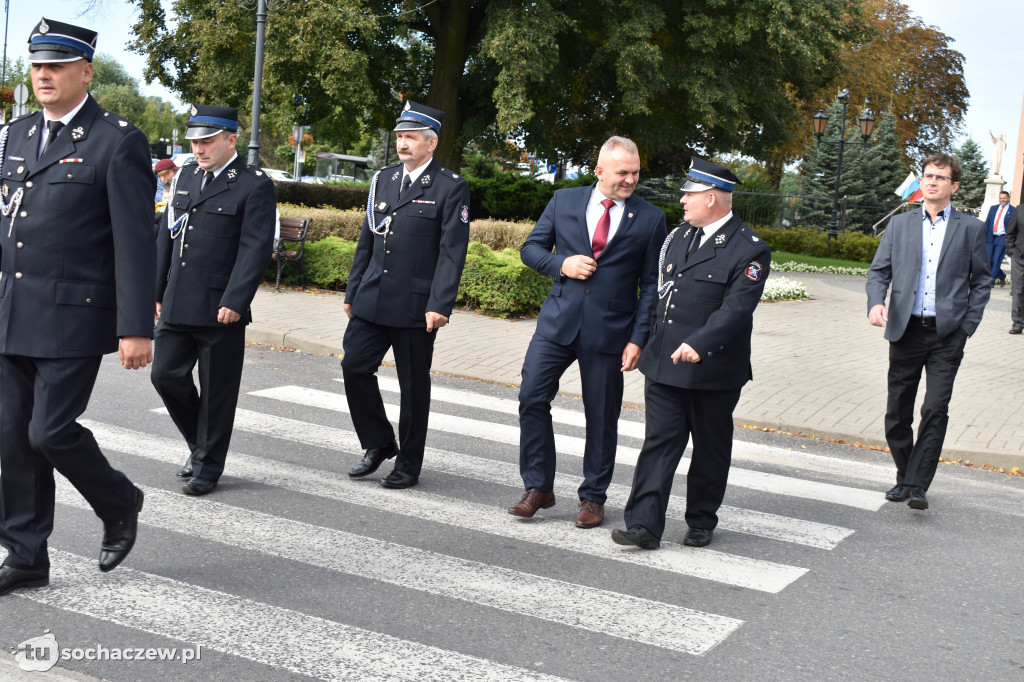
(52, 129)
(406, 181)
(207, 179)
(695, 244)
(601, 231)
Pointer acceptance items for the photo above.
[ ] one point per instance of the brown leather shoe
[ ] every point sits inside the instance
(591, 514)
(533, 500)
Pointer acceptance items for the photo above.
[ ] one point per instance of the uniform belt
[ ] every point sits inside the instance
(923, 321)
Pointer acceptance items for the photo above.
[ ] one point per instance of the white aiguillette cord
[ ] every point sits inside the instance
(9, 209)
(176, 226)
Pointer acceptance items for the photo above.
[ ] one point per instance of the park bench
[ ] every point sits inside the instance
(290, 247)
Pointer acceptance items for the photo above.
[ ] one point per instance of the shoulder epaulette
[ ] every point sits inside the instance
(117, 122)
(454, 176)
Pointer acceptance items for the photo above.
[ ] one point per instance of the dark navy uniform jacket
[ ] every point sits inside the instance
(221, 256)
(417, 268)
(76, 265)
(709, 305)
(603, 310)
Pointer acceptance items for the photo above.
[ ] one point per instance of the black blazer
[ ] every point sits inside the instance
(709, 304)
(604, 309)
(227, 245)
(77, 256)
(395, 282)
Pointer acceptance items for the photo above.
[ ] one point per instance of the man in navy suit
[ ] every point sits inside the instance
(934, 261)
(995, 235)
(606, 248)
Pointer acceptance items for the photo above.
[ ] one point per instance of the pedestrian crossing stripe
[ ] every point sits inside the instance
(618, 615)
(270, 635)
(751, 522)
(858, 498)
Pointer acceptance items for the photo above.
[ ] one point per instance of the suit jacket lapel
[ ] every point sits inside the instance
(953, 225)
(416, 189)
(708, 249)
(629, 210)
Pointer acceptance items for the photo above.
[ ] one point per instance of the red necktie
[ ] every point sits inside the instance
(999, 217)
(601, 231)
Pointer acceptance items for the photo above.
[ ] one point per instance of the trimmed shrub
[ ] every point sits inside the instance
(848, 245)
(498, 284)
(328, 263)
(307, 194)
(327, 222)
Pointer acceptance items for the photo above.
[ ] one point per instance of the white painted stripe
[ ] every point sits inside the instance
(742, 450)
(771, 526)
(269, 635)
(632, 618)
(859, 498)
(705, 564)
(559, 415)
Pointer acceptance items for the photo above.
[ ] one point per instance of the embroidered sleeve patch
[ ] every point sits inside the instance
(464, 214)
(753, 271)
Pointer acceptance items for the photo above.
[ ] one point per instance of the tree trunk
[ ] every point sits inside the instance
(450, 19)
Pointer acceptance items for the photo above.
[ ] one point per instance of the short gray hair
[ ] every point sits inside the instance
(428, 133)
(615, 142)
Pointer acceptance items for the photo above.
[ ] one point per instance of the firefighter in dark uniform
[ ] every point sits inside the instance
(212, 252)
(76, 270)
(401, 290)
(711, 275)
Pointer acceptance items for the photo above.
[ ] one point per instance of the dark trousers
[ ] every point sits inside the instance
(1017, 291)
(204, 416)
(601, 378)
(40, 401)
(920, 348)
(996, 250)
(673, 415)
(365, 345)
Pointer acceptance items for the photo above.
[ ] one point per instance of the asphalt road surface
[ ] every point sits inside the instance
(291, 570)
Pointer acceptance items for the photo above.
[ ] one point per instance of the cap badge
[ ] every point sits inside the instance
(43, 26)
(407, 107)
(193, 110)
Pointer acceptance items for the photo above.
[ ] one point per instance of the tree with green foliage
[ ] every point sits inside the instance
(972, 179)
(675, 77)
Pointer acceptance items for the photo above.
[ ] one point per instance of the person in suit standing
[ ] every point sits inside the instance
(606, 245)
(76, 282)
(401, 289)
(995, 235)
(1015, 250)
(711, 276)
(935, 261)
(213, 248)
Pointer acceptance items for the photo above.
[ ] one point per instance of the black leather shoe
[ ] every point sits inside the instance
(1016, 330)
(185, 471)
(898, 493)
(636, 535)
(399, 479)
(12, 578)
(372, 460)
(119, 537)
(698, 537)
(917, 499)
(198, 486)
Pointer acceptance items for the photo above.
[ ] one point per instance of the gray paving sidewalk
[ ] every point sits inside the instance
(819, 367)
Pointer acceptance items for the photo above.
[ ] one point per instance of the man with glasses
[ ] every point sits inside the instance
(937, 263)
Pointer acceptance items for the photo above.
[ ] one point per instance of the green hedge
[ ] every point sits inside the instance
(848, 245)
(307, 194)
(498, 284)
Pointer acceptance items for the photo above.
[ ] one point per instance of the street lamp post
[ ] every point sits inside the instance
(820, 120)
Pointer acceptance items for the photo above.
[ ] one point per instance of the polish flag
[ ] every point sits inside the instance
(910, 190)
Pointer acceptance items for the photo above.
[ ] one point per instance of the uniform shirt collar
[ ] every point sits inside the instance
(230, 161)
(66, 118)
(414, 175)
(717, 225)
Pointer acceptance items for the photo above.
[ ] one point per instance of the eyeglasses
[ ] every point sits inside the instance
(934, 176)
